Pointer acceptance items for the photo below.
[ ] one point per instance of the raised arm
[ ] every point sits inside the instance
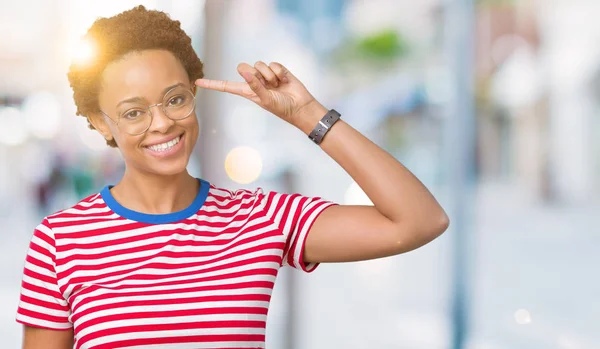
(405, 215)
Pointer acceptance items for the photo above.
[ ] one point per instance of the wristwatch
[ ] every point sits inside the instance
(324, 126)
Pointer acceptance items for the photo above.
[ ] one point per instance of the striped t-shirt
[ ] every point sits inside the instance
(197, 278)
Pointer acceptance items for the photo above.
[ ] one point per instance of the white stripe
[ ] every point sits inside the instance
(44, 323)
(169, 320)
(43, 297)
(231, 209)
(112, 216)
(167, 334)
(190, 236)
(230, 195)
(152, 228)
(170, 260)
(40, 257)
(39, 270)
(46, 230)
(80, 228)
(222, 219)
(213, 247)
(155, 271)
(295, 205)
(181, 295)
(146, 287)
(35, 240)
(140, 309)
(85, 211)
(201, 345)
(43, 310)
(275, 198)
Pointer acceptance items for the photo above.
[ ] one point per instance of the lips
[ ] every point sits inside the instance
(162, 141)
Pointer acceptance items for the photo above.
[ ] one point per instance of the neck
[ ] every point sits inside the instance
(155, 194)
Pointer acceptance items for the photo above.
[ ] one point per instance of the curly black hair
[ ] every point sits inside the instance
(133, 30)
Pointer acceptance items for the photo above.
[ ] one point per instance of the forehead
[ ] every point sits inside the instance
(141, 74)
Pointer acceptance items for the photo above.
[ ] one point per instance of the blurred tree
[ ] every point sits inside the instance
(385, 45)
(377, 52)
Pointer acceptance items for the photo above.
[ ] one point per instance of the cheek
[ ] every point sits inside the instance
(192, 125)
(125, 141)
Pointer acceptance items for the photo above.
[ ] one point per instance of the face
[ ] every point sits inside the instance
(141, 79)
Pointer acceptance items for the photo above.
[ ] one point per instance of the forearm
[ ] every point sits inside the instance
(394, 190)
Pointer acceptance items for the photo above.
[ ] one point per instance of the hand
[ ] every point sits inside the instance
(276, 90)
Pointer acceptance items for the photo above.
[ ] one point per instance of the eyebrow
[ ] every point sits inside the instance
(140, 99)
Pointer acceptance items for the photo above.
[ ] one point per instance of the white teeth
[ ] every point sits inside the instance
(165, 146)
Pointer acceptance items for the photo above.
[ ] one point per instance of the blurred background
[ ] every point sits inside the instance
(493, 104)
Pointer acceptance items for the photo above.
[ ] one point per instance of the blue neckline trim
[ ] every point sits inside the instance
(156, 218)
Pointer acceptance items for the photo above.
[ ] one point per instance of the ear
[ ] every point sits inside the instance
(100, 124)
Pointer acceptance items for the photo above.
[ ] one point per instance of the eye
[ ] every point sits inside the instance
(176, 101)
(133, 114)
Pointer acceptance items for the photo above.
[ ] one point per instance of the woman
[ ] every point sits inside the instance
(165, 260)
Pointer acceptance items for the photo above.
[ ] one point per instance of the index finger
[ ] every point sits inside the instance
(233, 87)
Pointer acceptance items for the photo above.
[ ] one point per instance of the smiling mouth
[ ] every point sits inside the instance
(165, 146)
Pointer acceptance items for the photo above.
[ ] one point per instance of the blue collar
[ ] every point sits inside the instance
(156, 218)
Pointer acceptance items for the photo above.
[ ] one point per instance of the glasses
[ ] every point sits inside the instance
(178, 103)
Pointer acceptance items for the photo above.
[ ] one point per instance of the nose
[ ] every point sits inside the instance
(160, 121)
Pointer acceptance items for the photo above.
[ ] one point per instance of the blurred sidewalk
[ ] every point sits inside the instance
(541, 258)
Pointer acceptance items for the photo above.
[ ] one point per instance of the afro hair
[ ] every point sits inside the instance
(134, 30)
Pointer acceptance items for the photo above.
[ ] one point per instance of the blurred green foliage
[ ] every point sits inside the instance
(387, 44)
(379, 49)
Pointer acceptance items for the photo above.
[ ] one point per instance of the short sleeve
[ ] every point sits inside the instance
(41, 303)
(295, 215)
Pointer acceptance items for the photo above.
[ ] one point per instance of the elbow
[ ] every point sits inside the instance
(424, 232)
(436, 226)
(444, 223)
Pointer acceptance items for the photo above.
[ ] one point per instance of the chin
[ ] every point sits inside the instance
(169, 169)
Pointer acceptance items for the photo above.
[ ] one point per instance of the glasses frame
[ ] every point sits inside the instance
(152, 115)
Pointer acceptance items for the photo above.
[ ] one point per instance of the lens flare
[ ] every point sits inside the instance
(83, 52)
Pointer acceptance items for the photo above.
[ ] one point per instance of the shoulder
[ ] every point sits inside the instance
(87, 205)
(226, 195)
(44, 232)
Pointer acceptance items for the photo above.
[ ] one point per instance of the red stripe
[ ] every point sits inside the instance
(185, 339)
(161, 234)
(225, 229)
(42, 290)
(172, 254)
(42, 316)
(43, 304)
(124, 313)
(181, 290)
(173, 327)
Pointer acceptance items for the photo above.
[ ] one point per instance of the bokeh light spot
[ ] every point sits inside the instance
(522, 317)
(243, 165)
